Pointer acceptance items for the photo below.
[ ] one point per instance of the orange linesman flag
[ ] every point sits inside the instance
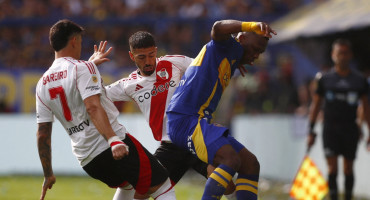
(309, 184)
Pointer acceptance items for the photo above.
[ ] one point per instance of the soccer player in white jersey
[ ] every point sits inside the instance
(72, 90)
(151, 87)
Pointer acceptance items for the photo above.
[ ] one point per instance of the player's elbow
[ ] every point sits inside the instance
(216, 29)
(92, 108)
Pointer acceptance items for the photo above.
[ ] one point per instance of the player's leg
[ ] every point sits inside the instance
(332, 162)
(230, 193)
(153, 177)
(349, 145)
(165, 191)
(348, 177)
(175, 159)
(124, 193)
(227, 162)
(331, 144)
(248, 173)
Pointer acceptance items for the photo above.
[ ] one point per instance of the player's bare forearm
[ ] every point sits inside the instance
(44, 147)
(99, 116)
(315, 108)
(221, 30)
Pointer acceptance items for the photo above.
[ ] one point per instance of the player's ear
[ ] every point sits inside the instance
(131, 56)
(73, 41)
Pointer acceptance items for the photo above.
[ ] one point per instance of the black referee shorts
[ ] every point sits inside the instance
(177, 161)
(140, 168)
(341, 139)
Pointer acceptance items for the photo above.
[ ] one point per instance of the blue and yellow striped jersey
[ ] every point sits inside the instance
(203, 83)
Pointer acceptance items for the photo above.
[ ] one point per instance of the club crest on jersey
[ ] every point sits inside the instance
(163, 74)
(94, 79)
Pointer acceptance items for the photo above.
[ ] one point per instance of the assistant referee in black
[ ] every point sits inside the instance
(341, 90)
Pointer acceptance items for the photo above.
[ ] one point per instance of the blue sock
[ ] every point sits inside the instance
(217, 182)
(247, 187)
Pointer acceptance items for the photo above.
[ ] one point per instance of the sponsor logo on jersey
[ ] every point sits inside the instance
(138, 87)
(54, 77)
(163, 74)
(78, 128)
(156, 90)
(190, 140)
(92, 87)
(352, 98)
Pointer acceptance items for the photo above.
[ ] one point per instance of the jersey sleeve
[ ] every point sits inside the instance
(319, 84)
(117, 92)
(43, 113)
(88, 79)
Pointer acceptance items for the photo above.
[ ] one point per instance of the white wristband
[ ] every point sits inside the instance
(113, 139)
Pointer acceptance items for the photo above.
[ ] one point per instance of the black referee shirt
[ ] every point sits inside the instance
(342, 95)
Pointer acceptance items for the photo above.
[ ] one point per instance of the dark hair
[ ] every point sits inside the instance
(141, 39)
(61, 32)
(341, 42)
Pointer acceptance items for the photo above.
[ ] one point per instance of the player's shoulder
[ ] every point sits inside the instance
(172, 58)
(132, 78)
(80, 63)
(357, 73)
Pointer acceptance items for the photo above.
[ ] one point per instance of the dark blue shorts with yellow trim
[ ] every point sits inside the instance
(198, 136)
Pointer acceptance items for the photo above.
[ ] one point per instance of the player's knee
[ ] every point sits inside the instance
(255, 163)
(233, 161)
(250, 163)
(164, 192)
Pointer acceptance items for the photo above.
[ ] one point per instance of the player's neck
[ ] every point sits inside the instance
(65, 53)
(342, 70)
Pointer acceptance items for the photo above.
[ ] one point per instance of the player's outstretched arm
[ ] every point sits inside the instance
(313, 113)
(100, 119)
(44, 148)
(221, 30)
(100, 55)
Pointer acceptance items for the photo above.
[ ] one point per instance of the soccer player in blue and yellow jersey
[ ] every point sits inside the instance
(197, 97)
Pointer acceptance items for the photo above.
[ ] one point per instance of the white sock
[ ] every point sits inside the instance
(165, 192)
(124, 193)
(231, 196)
(140, 199)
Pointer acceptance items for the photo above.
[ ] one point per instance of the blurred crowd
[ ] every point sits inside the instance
(180, 27)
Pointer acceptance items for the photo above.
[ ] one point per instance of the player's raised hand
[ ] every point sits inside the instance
(100, 55)
(242, 70)
(48, 184)
(262, 28)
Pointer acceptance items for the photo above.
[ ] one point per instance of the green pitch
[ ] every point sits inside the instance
(86, 188)
(75, 188)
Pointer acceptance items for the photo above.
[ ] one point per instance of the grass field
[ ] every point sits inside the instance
(86, 188)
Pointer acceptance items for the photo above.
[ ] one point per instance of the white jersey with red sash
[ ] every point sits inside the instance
(152, 93)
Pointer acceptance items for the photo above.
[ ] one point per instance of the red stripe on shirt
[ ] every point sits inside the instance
(88, 66)
(145, 171)
(158, 101)
(92, 67)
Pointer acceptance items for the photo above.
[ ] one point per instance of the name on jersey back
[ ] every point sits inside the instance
(54, 77)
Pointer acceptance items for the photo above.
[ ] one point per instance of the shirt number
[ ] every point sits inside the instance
(59, 91)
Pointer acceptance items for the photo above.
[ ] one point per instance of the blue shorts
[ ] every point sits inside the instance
(198, 136)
